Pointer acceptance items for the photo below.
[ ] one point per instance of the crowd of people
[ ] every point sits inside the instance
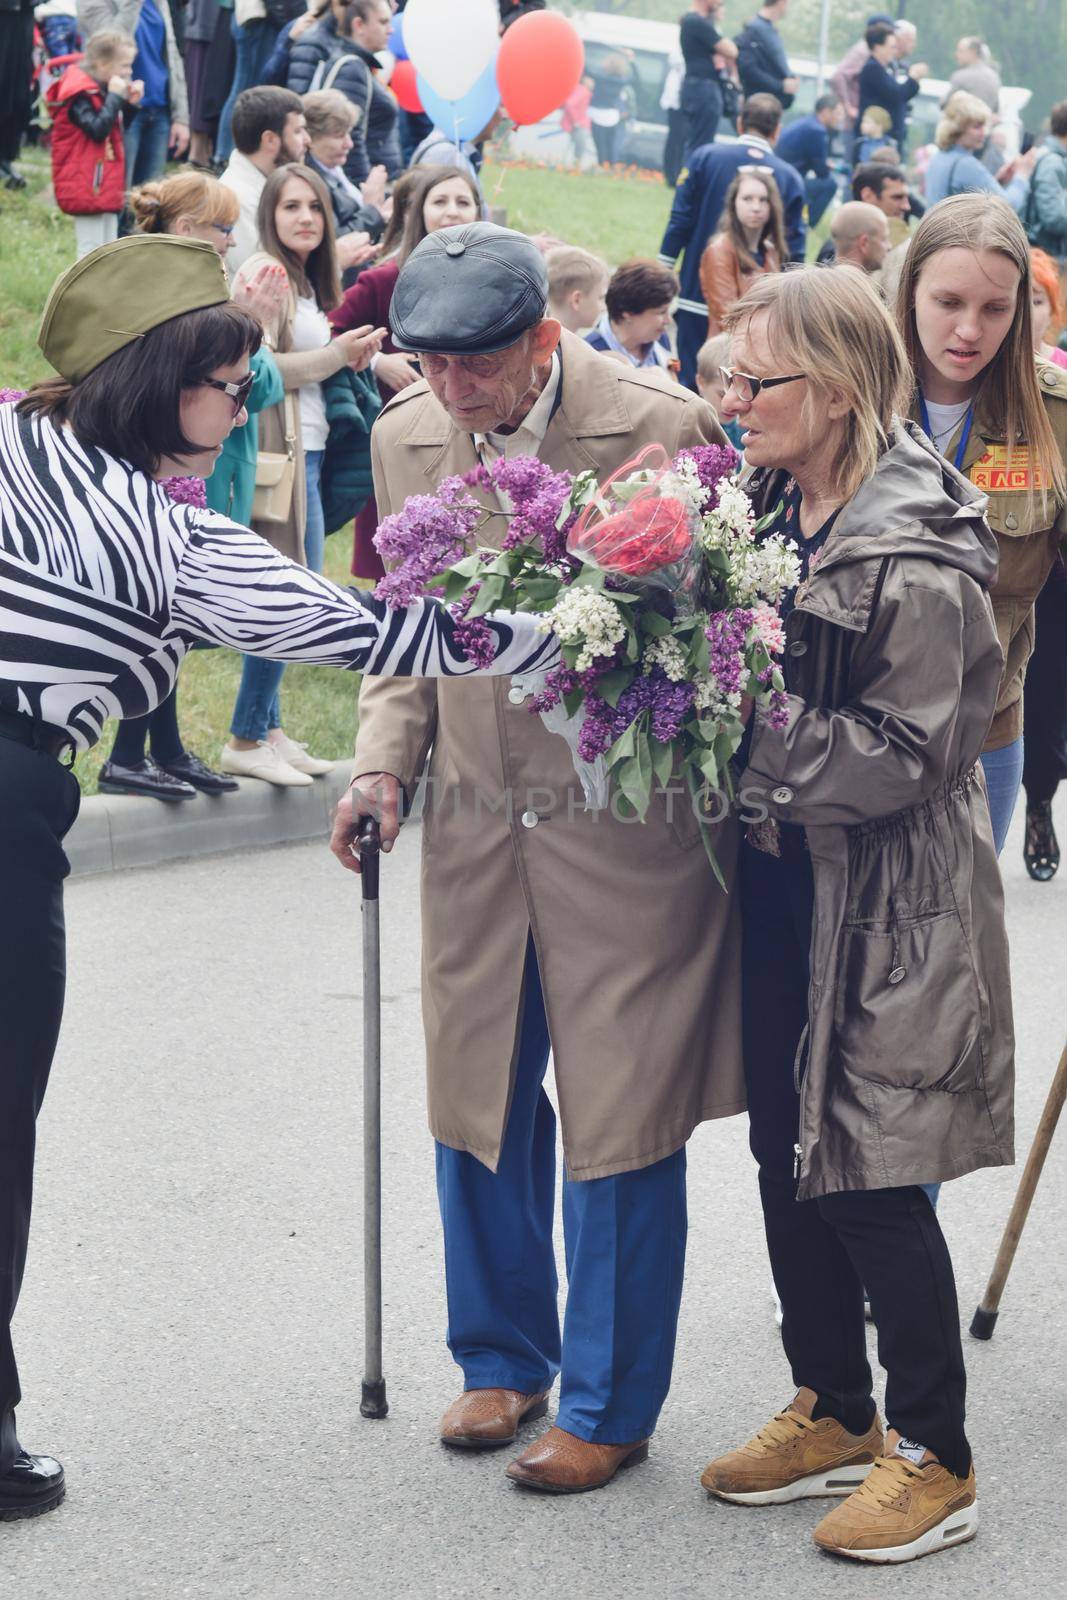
(324, 326)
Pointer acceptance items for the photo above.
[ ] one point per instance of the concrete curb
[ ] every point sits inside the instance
(114, 832)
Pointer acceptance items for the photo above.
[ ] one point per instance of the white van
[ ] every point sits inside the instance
(651, 43)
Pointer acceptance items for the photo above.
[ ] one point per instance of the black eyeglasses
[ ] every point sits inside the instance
(746, 387)
(238, 392)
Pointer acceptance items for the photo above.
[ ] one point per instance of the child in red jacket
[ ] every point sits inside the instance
(88, 162)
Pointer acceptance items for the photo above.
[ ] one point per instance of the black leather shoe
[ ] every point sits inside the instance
(1041, 852)
(30, 1486)
(192, 770)
(145, 778)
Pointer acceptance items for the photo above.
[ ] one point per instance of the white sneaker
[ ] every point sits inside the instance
(262, 761)
(297, 756)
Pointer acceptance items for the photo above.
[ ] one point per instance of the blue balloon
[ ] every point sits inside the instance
(396, 38)
(463, 119)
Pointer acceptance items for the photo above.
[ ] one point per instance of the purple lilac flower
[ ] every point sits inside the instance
(186, 491)
(778, 709)
(429, 534)
(536, 495)
(7, 395)
(712, 461)
(726, 633)
(667, 703)
(475, 638)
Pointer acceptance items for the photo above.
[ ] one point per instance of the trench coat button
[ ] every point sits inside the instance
(897, 974)
(529, 819)
(798, 648)
(782, 796)
(516, 696)
(1011, 521)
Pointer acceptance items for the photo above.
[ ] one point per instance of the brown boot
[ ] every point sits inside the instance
(560, 1463)
(485, 1419)
(794, 1458)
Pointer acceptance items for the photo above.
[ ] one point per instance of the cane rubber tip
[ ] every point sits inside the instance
(374, 1404)
(983, 1323)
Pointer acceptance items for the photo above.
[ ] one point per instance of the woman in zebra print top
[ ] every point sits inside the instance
(105, 583)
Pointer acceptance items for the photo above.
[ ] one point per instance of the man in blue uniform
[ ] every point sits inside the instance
(805, 144)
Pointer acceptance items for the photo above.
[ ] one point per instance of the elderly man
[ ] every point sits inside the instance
(546, 927)
(860, 235)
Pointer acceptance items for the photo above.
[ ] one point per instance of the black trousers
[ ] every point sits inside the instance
(161, 725)
(1045, 694)
(824, 1251)
(702, 109)
(38, 802)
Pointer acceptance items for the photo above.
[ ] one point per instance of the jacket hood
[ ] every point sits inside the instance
(75, 80)
(916, 504)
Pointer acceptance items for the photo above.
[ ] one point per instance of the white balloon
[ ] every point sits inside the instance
(451, 42)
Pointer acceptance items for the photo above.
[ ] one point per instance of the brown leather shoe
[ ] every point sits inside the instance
(485, 1419)
(560, 1463)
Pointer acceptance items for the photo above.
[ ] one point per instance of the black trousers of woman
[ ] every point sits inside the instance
(1045, 694)
(161, 725)
(38, 802)
(824, 1251)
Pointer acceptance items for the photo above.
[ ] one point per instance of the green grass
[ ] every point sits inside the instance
(614, 216)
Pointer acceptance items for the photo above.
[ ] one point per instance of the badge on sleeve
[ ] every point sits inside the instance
(1008, 468)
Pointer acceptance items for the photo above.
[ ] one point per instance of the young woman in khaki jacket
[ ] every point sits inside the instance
(296, 229)
(1000, 417)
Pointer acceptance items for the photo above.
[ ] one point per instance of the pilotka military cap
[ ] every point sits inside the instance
(468, 291)
(118, 293)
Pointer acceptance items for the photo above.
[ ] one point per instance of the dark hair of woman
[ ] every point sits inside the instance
(130, 405)
(415, 222)
(773, 231)
(637, 286)
(318, 276)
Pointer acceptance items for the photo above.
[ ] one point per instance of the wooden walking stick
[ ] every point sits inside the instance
(373, 1402)
(985, 1318)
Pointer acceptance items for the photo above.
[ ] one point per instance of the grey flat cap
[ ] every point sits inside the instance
(468, 290)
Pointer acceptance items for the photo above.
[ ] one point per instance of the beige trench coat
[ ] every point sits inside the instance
(906, 1074)
(638, 947)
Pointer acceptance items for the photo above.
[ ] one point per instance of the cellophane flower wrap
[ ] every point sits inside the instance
(660, 584)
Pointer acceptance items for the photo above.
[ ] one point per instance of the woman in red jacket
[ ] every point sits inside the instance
(444, 198)
(88, 160)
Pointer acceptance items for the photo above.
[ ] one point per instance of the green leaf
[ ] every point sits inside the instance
(624, 746)
(589, 578)
(540, 592)
(654, 624)
(662, 762)
(634, 777)
(613, 685)
(573, 702)
(488, 597)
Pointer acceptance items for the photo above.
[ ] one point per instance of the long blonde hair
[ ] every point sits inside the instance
(1011, 395)
(830, 324)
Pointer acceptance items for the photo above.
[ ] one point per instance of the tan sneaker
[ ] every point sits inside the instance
(794, 1458)
(298, 755)
(904, 1509)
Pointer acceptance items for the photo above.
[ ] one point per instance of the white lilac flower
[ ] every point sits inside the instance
(585, 617)
(683, 482)
(732, 519)
(668, 654)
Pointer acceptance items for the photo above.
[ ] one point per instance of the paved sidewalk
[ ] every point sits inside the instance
(190, 1336)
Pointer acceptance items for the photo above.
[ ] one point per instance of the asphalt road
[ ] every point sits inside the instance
(190, 1328)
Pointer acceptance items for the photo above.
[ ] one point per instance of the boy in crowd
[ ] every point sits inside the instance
(577, 283)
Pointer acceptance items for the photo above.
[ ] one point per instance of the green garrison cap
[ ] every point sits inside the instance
(118, 293)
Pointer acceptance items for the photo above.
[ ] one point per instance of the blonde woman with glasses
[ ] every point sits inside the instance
(876, 1009)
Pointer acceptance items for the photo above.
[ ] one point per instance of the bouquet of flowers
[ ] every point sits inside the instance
(658, 585)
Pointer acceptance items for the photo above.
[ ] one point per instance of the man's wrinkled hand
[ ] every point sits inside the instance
(372, 794)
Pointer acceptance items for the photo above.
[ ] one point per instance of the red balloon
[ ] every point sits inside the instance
(540, 62)
(403, 86)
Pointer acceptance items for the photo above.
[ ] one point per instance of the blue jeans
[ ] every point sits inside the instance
(315, 526)
(1003, 771)
(257, 708)
(146, 142)
(253, 42)
(691, 331)
(625, 1250)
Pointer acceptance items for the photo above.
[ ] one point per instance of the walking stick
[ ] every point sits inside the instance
(985, 1318)
(373, 1402)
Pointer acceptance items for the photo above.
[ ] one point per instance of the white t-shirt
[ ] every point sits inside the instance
(944, 420)
(311, 331)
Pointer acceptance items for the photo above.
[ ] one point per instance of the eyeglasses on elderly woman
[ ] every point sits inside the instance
(746, 387)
